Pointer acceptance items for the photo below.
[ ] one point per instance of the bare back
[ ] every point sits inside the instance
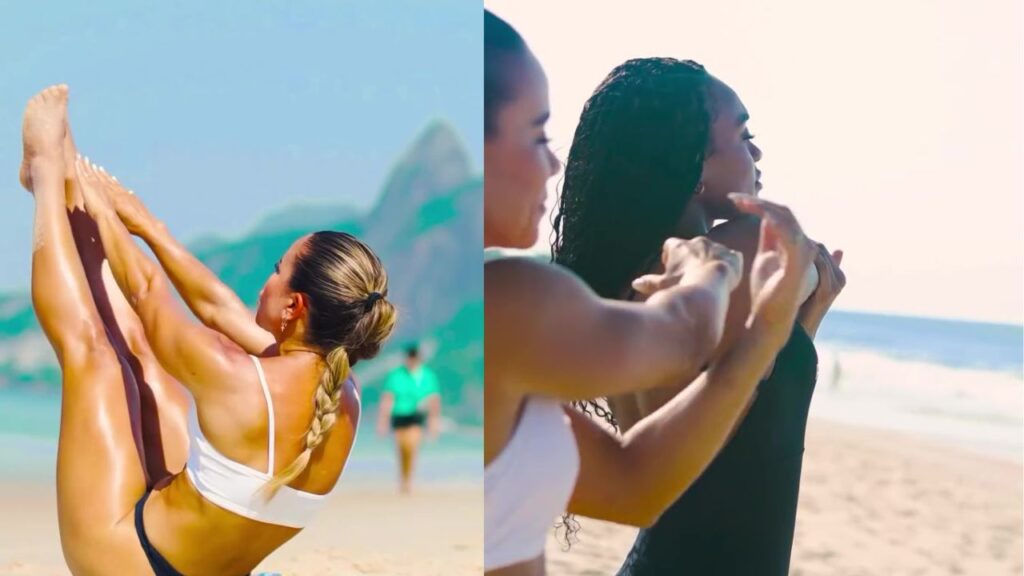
(199, 537)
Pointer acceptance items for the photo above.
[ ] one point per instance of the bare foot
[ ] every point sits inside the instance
(43, 130)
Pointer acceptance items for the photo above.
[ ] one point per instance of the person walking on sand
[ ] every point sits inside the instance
(411, 401)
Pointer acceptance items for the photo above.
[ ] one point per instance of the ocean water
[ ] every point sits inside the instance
(950, 343)
(30, 423)
(959, 383)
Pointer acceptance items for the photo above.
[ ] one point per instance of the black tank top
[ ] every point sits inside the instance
(738, 517)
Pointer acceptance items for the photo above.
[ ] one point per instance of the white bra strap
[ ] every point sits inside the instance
(270, 415)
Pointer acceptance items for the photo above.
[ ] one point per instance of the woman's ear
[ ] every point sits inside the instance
(298, 305)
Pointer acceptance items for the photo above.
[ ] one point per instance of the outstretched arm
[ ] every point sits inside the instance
(631, 479)
(741, 234)
(198, 357)
(548, 333)
(210, 300)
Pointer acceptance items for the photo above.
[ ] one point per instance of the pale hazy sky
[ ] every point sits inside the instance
(893, 129)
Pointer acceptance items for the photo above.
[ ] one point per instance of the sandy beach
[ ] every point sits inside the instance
(366, 529)
(872, 503)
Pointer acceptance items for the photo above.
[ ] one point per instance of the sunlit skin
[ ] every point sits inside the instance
(548, 335)
(100, 475)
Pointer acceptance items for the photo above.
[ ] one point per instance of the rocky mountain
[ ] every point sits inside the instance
(427, 228)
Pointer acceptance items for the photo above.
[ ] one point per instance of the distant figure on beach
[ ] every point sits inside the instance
(410, 402)
(187, 448)
(837, 371)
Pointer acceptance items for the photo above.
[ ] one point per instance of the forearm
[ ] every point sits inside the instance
(692, 322)
(667, 451)
(133, 271)
(202, 291)
(810, 319)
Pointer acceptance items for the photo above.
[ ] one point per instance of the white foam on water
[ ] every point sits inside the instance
(975, 409)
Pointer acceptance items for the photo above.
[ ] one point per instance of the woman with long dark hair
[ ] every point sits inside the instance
(551, 340)
(659, 146)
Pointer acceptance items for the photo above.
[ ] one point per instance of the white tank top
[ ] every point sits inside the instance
(529, 484)
(236, 487)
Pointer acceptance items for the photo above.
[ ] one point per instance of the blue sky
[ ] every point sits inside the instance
(219, 112)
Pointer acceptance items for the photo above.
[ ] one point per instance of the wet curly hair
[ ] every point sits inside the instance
(634, 165)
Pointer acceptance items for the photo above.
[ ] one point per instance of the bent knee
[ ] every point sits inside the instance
(79, 337)
(89, 351)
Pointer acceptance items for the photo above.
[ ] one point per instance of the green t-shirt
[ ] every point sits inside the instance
(410, 388)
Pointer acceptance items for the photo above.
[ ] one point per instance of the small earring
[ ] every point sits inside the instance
(284, 325)
(700, 188)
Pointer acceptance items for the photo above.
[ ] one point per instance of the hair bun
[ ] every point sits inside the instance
(371, 300)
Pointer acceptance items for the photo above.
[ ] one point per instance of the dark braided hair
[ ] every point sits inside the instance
(635, 162)
(501, 44)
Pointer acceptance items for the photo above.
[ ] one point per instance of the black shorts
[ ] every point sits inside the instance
(408, 420)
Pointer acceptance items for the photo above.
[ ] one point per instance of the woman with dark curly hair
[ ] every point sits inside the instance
(551, 340)
(688, 148)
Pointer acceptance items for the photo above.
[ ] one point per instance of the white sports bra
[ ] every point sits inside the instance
(236, 487)
(529, 484)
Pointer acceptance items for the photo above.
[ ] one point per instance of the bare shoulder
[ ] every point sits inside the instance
(218, 374)
(519, 281)
(234, 359)
(529, 306)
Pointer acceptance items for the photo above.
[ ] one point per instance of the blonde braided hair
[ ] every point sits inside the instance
(348, 315)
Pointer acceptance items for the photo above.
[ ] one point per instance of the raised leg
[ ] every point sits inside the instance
(99, 477)
(162, 400)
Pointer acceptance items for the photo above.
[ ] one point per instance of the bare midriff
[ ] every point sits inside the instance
(199, 537)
